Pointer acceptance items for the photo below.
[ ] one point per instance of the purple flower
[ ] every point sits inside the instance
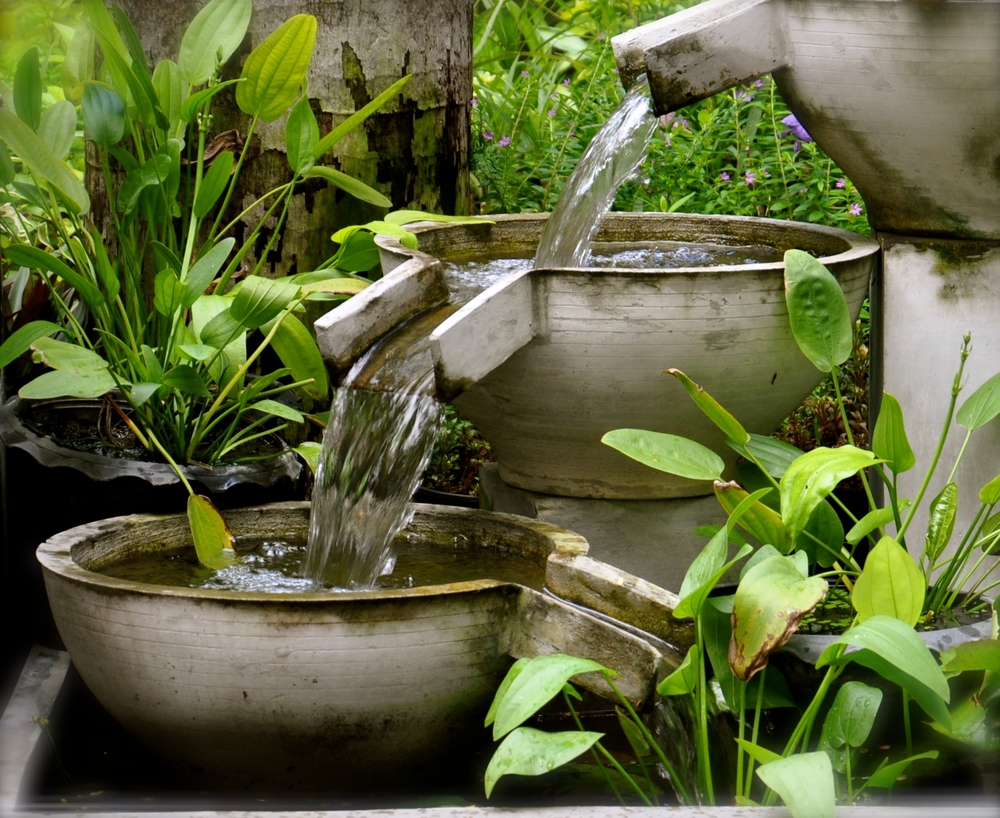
(795, 128)
(524, 74)
(759, 83)
(473, 102)
(552, 112)
(565, 83)
(668, 143)
(841, 182)
(855, 209)
(724, 176)
(504, 141)
(743, 95)
(749, 178)
(488, 136)
(797, 146)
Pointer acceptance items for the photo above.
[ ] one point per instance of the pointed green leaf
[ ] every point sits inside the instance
(259, 300)
(213, 184)
(730, 427)
(822, 540)
(221, 25)
(535, 685)
(203, 272)
(411, 216)
(357, 188)
(186, 379)
(276, 68)
(979, 654)
(78, 65)
(139, 69)
(851, 716)
(295, 345)
(879, 518)
(212, 538)
(759, 754)
(154, 172)
(20, 341)
(103, 114)
(309, 451)
(167, 291)
(770, 601)
(667, 453)
(700, 579)
(941, 521)
(887, 776)
(804, 782)
(893, 649)
(982, 406)
(40, 260)
(685, 678)
(7, 171)
(508, 680)
(142, 392)
(301, 136)
(57, 128)
(990, 493)
(107, 275)
(28, 89)
(527, 751)
(817, 311)
(220, 329)
(636, 739)
(813, 476)
(170, 91)
(355, 119)
(24, 143)
(774, 455)
(759, 521)
(889, 438)
(197, 352)
(280, 410)
(335, 284)
(193, 103)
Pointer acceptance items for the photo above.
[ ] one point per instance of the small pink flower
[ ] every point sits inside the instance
(855, 209)
(725, 176)
(841, 182)
(565, 82)
(524, 74)
(473, 102)
(488, 136)
(749, 178)
(552, 112)
(504, 141)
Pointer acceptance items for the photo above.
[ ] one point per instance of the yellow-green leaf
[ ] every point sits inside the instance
(759, 520)
(274, 71)
(213, 541)
(891, 584)
(357, 188)
(730, 427)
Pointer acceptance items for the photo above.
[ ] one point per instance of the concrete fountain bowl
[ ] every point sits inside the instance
(545, 362)
(320, 691)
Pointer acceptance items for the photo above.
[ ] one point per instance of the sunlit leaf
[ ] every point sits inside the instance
(685, 678)
(355, 119)
(296, 347)
(941, 521)
(759, 521)
(512, 673)
(274, 71)
(219, 26)
(667, 453)
(280, 410)
(213, 183)
(309, 451)
(357, 188)
(28, 89)
(259, 300)
(78, 64)
(193, 103)
(879, 518)
(804, 782)
(203, 272)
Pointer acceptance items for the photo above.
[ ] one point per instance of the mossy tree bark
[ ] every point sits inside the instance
(415, 151)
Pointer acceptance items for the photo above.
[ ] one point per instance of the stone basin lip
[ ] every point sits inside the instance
(60, 552)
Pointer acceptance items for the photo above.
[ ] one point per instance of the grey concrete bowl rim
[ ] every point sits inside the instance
(857, 246)
(56, 555)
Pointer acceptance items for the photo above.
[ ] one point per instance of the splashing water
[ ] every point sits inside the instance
(373, 455)
(612, 157)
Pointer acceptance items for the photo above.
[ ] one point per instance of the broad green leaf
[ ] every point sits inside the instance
(78, 65)
(851, 715)
(280, 410)
(893, 649)
(357, 254)
(765, 552)
(276, 68)
(535, 685)
(309, 451)
(20, 341)
(508, 680)
(259, 300)
(213, 324)
(40, 260)
(979, 654)
(773, 454)
(982, 406)
(127, 82)
(142, 392)
(887, 776)
(57, 128)
(212, 538)
(301, 136)
(693, 599)
(107, 274)
(203, 271)
(68, 383)
(197, 352)
(817, 311)
(220, 329)
(822, 540)
(380, 228)
(103, 114)
(760, 521)
(185, 378)
(685, 678)
(707, 564)
(139, 69)
(812, 477)
(667, 453)
(527, 751)
(770, 601)
(104, 27)
(804, 782)
(24, 143)
(219, 27)
(972, 724)
(213, 183)
(879, 518)
(28, 89)
(193, 103)
(153, 172)
(355, 119)
(167, 292)
(7, 171)
(636, 739)
(730, 427)
(170, 90)
(889, 440)
(989, 534)
(357, 188)
(990, 493)
(295, 345)
(759, 754)
(941, 521)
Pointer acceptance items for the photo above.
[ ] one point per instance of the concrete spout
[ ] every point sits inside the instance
(901, 95)
(704, 50)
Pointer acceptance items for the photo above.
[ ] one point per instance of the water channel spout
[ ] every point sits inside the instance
(704, 50)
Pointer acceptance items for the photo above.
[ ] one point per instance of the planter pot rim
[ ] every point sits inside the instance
(15, 434)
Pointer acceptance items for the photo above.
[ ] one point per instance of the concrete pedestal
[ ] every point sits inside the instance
(652, 539)
(929, 295)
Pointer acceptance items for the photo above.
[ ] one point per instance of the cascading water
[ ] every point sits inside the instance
(612, 157)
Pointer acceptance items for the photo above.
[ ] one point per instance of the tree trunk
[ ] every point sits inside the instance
(415, 151)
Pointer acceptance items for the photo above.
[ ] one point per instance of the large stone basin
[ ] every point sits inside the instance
(546, 362)
(324, 691)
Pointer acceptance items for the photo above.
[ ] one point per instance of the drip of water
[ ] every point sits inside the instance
(374, 452)
(611, 158)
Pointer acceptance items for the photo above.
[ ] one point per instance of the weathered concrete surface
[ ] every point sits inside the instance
(930, 294)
